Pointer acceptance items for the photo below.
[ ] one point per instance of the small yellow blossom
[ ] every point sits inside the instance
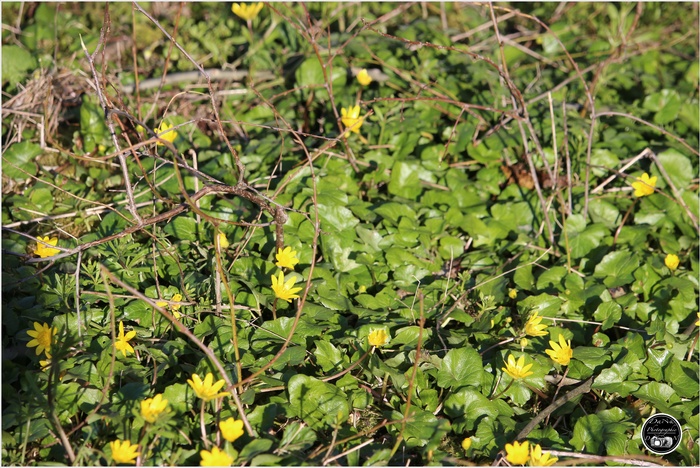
(351, 118)
(286, 258)
(513, 293)
(644, 185)
(215, 458)
(207, 390)
(284, 291)
(560, 353)
(231, 429)
(124, 452)
(363, 77)
(174, 307)
(517, 370)
(467, 443)
(672, 261)
(42, 337)
(247, 11)
(378, 337)
(122, 343)
(223, 241)
(537, 458)
(523, 342)
(164, 132)
(43, 250)
(533, 326)
(517, 453)
(151, 408)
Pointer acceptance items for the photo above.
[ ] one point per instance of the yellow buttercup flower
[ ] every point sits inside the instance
(247, 11)
(517, 370)
(560, 353)
(231, 429)
(363, 77)
(672, 261)
(537, 458)
(164, 132)
(42, 337)
(151, 408)
(517, 453)
(644, 185)
(378, 337)
(512, 293)
(215, 458)
(174, 307)
(43, 250)
(122, 343)
(284, 291)
(533, 326)
(351, 118)
(207, 390)
(467, 443)
(286, 258)
(124, 452)
(223, 241)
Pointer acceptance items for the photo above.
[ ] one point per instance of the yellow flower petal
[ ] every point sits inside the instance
(672, 261)
(43, 250)
(644, 185)
(363, 77)
(231, 429)
(517, 453)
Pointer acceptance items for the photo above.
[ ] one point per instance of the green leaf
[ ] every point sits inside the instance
(614, 380)
(609, 313)
(460, 367)
(404, 180)
(678, 167)
(422, 429)
(22, 156)
(336, 218)
(16, 62)
(617, 268)
(683, 377)
(318, 403)
(328, 356)
(666, 103)
(182, 228)
(468, 406)
(581, 238)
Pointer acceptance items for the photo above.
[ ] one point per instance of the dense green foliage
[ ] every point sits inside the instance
(427, 224)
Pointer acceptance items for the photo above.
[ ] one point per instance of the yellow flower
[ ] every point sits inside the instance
(560, 353)
(43, 250)
(164, 133)
(223, 241)
(247, 11)
(644, 185)
(42, 338)
(174, 307)
(363, 77)
(697, 324)
(517, 370)
(283, 290)
(513, 293)
(151, 408)
(351, 118)
(517, 453)
(286, 258)
(537, 458)
(533, 326)
(466, 443)
(231, 429)
(672, 261)
(378, 337)
(207, 390)
(122, 343)
(523, 342)
(124, 452)
(215, 458)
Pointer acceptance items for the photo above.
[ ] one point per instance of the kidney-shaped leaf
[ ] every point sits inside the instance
(317, 403)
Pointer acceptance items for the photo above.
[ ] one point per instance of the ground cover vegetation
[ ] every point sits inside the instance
(348, 233)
